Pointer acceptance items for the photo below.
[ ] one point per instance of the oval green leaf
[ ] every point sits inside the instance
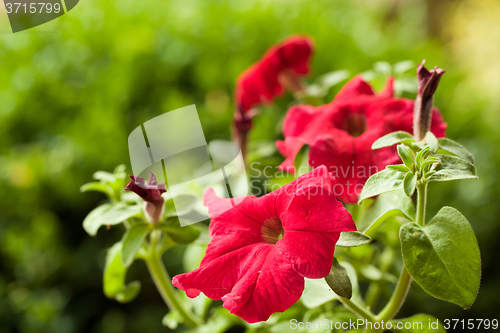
(109, 214)
(456, 149)
(384, 181)
(443, 257)
(338, 280)
(352, 239)
(132, 241)
(393, 138)
(452, 168)
(409, 183)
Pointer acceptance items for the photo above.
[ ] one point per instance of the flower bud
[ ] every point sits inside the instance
(427, 85)
(154, 204)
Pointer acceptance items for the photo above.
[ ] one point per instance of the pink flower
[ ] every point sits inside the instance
(341, 133)
(261, 250)
(278, 67)
(151, 194)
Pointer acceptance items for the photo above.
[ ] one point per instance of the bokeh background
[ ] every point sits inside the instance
(72, 90)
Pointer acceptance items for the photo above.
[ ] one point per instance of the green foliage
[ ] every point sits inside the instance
(393, 138)
(132, 241)
(109, 214)
(443, 257)
(352, 239)
(384, 181)
(180, 235)
(339, 281)
(455, 148)
(452, 168)
(114, 277)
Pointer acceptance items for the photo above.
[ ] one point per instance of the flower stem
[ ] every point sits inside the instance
(164, 286)
(358, 309)
(397, 298)
(421, 203)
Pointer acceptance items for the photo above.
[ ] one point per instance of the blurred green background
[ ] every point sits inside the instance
(72, 90)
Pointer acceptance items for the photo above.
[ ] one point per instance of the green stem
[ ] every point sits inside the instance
(397, 298)
(164, 286)
(358, 309)
(421, 203)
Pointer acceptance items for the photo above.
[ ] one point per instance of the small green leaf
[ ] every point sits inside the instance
(422, 155)
(456, 149)
(114, 277)
(429, 161)
(393, 138)
(451, 168)
(406, 156)
(301, 161)
(352, 239)
(129, 293)
(339, 281)
(443, 257)
(180, 235)
(384, 181)
(398, 167)
(109, 214)
(431, 142)
(410, 182)
(95, 186)
(388, 204)
(420, 323)
(132, 241)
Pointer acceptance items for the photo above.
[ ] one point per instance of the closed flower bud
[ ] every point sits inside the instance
(154, 203)
(427, 85)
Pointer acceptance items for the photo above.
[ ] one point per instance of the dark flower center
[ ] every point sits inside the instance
(355, 124)
(272, 230)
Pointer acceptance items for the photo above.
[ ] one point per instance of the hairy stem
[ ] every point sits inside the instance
(164, 286)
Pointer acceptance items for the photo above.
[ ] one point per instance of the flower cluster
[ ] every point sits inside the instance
(261, 250)
(340, 134)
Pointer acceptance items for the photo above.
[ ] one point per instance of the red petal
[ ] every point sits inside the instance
(354, 88)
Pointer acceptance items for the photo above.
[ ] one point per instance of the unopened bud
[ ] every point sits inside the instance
(427, 85)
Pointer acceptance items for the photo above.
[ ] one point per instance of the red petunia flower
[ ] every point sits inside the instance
(150, 193)
(341, 133)
(278, 67)
(261, 250)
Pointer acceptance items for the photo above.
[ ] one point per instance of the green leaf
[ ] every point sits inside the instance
(443, 257)
(132, 241)
(301, 161)
(384, 181)
(318, 292)
(352, 239)
(398, 167)
(109, 214)
(456, 149)
(451, 168)
(406, 156)
(422, 155)
(95, 186)
(420, 323)
(431, 142)
(114, 277)
(129, 292)
(429, 161)
(387, 205)
(339, 281)
(410, 182)
(393, 138)
(180, 235)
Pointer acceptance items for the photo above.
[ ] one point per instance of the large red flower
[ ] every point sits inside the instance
(261, 250)
(264, 80)
(340, 134)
